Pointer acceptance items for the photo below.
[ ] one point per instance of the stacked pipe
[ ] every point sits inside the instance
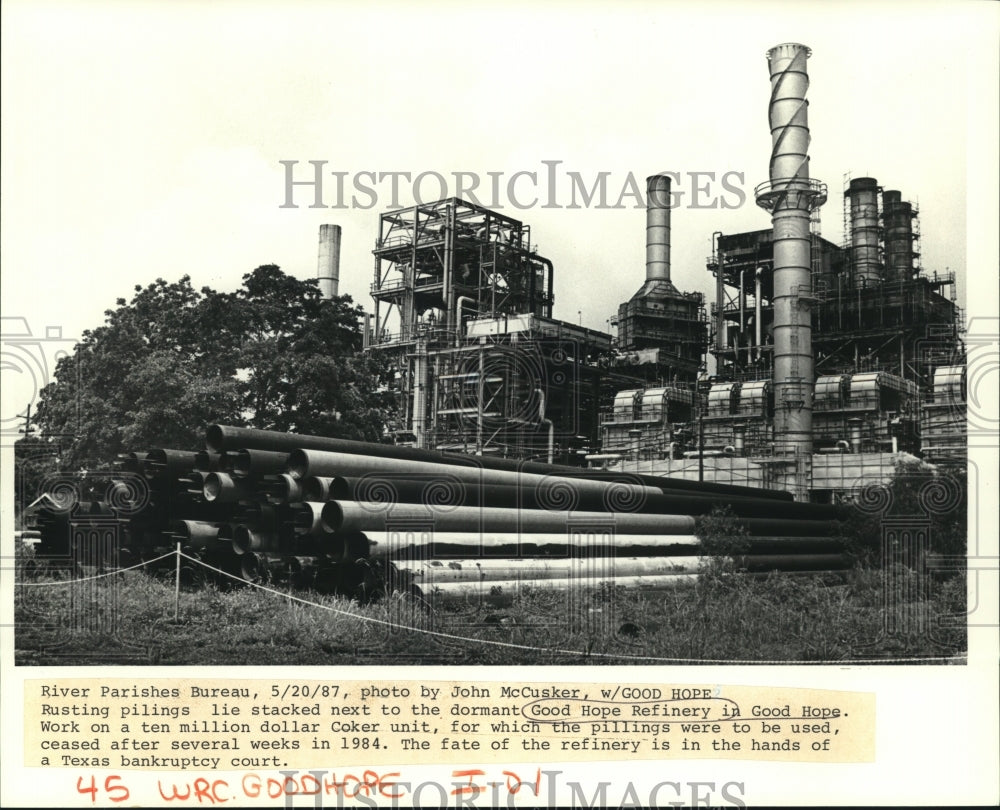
(350, 517)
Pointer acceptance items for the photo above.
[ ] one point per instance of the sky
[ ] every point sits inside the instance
(144, 140)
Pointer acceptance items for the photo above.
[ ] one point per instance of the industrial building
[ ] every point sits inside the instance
(818, 367)
(463, 307)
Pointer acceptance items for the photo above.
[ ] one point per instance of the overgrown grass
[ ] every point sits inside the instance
(866, 614)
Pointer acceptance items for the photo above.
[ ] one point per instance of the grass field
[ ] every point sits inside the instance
(865, 614)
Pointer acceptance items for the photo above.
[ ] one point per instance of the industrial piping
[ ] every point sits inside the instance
(364, 516)
(221, 438)
(596, 569)
(791, 196)
(305, 463)
(562, 520)
(417, 544)
(553, 494)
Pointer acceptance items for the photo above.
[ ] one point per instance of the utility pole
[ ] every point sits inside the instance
(26, 430)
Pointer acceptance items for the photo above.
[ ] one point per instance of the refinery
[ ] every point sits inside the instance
(816, 369)
(530, 451)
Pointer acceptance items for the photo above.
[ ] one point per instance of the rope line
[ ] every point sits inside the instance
(492, 642)
(96, 576)
(515, 646)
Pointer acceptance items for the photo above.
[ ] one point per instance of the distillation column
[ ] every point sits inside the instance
(898, 218)
(791, 197)
(862, 195)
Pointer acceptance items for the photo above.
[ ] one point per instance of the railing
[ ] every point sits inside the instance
(400, 284)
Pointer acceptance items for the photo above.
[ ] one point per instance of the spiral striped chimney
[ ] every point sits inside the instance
(790, 196)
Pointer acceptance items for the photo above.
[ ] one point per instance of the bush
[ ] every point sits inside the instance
(724, 540)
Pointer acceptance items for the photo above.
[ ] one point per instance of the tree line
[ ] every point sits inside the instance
(272, 355)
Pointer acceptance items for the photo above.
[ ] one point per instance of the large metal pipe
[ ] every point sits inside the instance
(603, 568)
(257, 513)
(621, 495)
(504, 591)
(255, 567)
(223, 488)
(305, 463)
(353, 516)
(501, 589)
(416, 544)
(206, 462)
(317, 488)
(161, 464)
(247, 539)
(307, 518)
(551, 494)
(244, 463)
(222, 437)
(195, 533)
(791, 197)
(658, 227)
(283, 489)
(862, 195)
(129, 462)
(596, 568)
(328, 263)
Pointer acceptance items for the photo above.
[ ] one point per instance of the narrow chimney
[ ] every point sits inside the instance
(328, 266)
(658, 228)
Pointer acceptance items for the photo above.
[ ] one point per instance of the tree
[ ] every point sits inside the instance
(919, 494)
(174, 359)
(300, 363)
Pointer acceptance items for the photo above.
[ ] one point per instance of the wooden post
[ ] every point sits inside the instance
(177, 584)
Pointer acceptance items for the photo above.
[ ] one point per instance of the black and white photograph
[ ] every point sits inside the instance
(496, 343)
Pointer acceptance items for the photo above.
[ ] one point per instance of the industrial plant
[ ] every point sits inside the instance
(815, 370)
(529, 451)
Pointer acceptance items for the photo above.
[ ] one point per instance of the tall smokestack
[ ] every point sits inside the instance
(791, 196)
(862, 195)
(658, 228)
(328, 265)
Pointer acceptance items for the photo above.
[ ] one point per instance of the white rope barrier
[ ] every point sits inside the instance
(96, 576)
(556, 650)
(466, 639)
